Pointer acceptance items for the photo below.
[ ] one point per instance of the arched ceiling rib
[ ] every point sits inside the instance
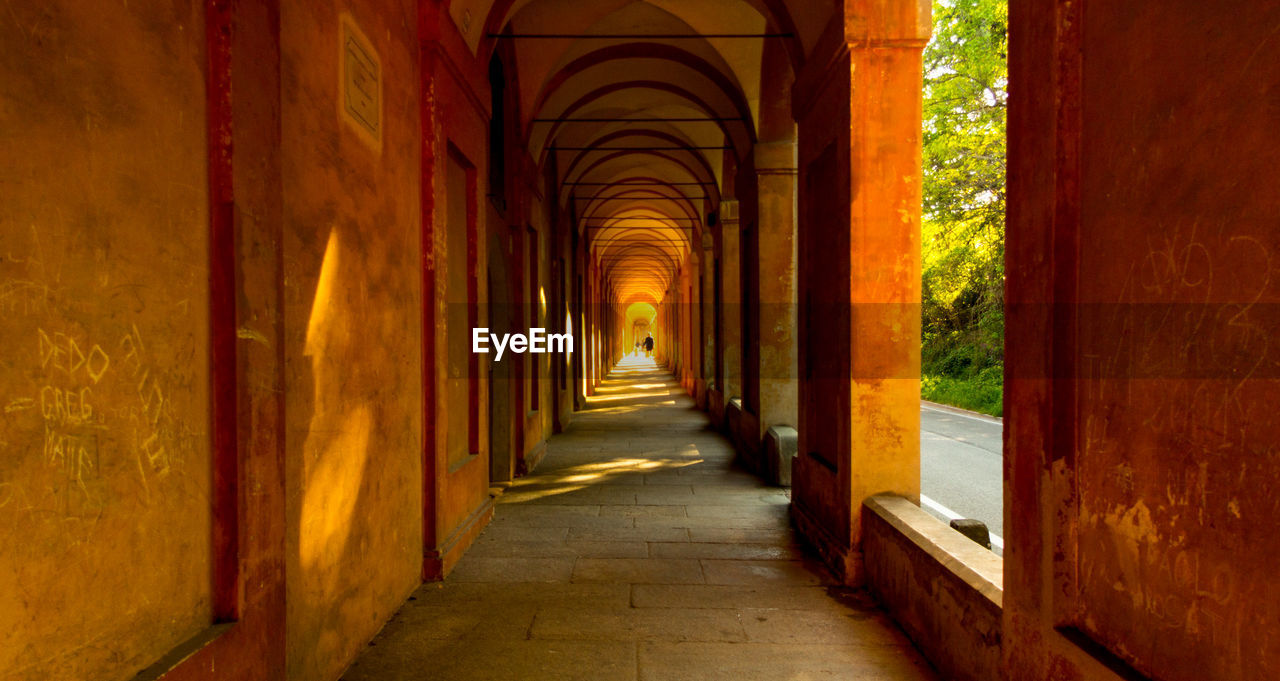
(631, 103)
(678, 169)
(697, 161)
(601, 203)
(802, 20)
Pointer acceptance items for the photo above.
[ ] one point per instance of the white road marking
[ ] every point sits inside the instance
(943, 436)
(996, 540)
(980, 419)
(950, 514)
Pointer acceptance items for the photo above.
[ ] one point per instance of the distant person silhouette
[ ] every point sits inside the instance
(648, 345)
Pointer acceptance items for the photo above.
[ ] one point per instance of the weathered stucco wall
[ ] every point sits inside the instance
(1176, 433)
(109, 136)
(353, 326)
(104, 315)
(1142, 499)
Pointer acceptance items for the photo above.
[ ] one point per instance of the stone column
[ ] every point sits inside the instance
(706, 318)
(858, 107)
(777, 367)
(731, 302)
(581, 335)
(692, 326)
(693, 321)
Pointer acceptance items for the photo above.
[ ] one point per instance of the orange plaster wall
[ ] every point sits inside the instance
(353, 332)
(1141, 479)
(104, 300)
(455, 114)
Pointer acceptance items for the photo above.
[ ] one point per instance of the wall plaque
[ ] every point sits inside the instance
(361, 79)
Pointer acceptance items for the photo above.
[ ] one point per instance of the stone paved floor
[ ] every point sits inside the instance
(637, 551)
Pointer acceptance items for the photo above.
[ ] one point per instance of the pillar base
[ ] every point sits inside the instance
(530, 461)
(844, 561)
(732, 424)
(781, 443)
(748, 441)
(715, 407)
(439, 561)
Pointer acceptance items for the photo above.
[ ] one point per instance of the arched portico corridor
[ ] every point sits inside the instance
(279, 281)
(639, 550)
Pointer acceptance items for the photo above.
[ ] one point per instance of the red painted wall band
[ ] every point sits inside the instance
(222, 318)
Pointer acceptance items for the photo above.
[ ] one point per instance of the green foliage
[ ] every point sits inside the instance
(981, 393)
(965, 98)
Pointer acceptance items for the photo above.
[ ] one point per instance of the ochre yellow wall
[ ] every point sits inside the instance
(104, 330)
(353, 331)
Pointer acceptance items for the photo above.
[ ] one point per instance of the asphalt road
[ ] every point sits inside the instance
(961, 468)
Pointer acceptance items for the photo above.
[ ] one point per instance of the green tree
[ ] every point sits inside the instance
(965, 99)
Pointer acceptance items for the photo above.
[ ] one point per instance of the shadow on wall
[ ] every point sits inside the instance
(325, 473)
(333, 459)
(344, 553)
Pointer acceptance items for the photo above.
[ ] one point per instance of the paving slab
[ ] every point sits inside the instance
(705, 550)
(640, 625)
(645, 534)
(638, 570)
(608, 549)
(751, 572)
(490, 594)
(646, 511)
(696, 521)
(780, 535)
(806, 627)
(697, 661)
(752, 510)
(731, 596)
(502, 569)
(501, 660)
(569, 520)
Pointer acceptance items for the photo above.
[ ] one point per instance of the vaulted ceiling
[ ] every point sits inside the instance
(641, 122)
